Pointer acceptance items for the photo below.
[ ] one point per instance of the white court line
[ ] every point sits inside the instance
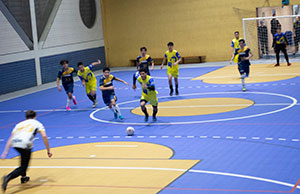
(293, 103)
(118, 146)
(161, 169)
(264, 75)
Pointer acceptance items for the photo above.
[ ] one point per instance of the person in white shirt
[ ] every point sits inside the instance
(21, 139)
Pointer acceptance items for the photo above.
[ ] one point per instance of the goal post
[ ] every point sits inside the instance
(258, 33)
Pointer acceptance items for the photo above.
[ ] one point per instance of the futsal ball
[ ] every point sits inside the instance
(130, 131)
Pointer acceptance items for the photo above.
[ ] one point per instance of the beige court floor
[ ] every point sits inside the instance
(106, 167)
(258, 73)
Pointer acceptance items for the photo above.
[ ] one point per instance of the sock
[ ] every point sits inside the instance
(113, 109)
(144, 109)
(243, 79)
(286, 57)
(91, 98)
(176, 86)
(68, 102)
(277, 58)
(118, 109)
(155, 110)
(95, 97)
(171, 88)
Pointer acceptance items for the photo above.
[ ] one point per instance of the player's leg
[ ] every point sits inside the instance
(93, 93)
(170, 84)
(175, 75)
(154, 102)
(144, 109)
(243, 74)
(277, 52)
(296, 40)
(283, 49)
(72, 97)
(88, 90)
(116, 107)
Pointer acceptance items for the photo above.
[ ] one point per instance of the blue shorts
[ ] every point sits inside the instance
(108, 97)
(69, 87)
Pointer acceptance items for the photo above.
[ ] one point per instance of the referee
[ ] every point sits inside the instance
(22, 140)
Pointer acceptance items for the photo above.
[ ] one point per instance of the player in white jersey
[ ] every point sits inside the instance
(22, 140)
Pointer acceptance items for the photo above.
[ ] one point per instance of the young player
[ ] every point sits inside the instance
(89, 80)
(173, 59)
(280, 43)
(66, 76)
(108, 92)
(235, 45)
(22, 140)
(149, 94)
(244, 55)
(144, 61)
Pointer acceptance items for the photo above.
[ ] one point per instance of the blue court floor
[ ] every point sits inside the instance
(254, 149)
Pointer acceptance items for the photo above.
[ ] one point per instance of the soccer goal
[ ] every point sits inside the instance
(259, 32)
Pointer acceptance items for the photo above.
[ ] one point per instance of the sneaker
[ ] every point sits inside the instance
(25, 179)
(154, 119)
(95, 103)
(74, 100)
(289, 64)
(276, 65)
(121, 117)
(115, 115)
(68, 108)
(4, 183)
(146, 118)
(244, 89)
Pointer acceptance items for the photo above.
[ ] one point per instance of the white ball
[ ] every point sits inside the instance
(130, 131)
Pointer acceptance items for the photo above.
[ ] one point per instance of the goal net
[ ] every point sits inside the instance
(259, 32)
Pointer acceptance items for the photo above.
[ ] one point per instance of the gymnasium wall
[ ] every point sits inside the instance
(68, 32)
(197, 27)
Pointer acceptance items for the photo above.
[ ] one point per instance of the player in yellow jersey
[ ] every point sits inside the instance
(149, 94)
(173, 59)
(235, 45)
(89, 80)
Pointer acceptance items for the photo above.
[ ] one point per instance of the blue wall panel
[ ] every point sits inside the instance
(50, 64)
(17, 75)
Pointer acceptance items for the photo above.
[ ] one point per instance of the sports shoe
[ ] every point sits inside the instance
(121, 117)
(95, 103)
(289, 64)
(74, 100)
(4, 183)
(115, 115)
(154, 119)
(25, 179)
(276, 65)
(146, 118)
(244, 89)
(68, 108)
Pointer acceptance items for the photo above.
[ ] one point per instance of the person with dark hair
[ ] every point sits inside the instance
(89, 80)
(66, 76)
(142, 61)
(244, 55)
(263, 38)
(297, 35)
(108, 92)
(274, 24)
(173, 59)
(21, 139)
(235, 45)
(280, 43)
(149, 94)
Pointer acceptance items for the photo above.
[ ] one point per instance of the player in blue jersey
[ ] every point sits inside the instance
(280, 43)
(66, 77)
(108, 92)
(244, 55)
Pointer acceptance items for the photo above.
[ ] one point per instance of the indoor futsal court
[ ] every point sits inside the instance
(223, 133)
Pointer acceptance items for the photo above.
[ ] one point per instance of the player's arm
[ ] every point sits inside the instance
(101, 86)
(46, 142)
(82, 80)
(234, 54)
(152, 63)
(232, 49)
(250, 56)
(179, 59)
(119, 80)
(163, 62)
(286, 40)
(96, 63)
(151, 86)
(58, 84)
(7, 146)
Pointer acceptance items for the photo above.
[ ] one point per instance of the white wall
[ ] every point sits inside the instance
(10, 42)
(68, 27)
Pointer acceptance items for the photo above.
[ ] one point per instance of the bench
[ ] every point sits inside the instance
(185, 59)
